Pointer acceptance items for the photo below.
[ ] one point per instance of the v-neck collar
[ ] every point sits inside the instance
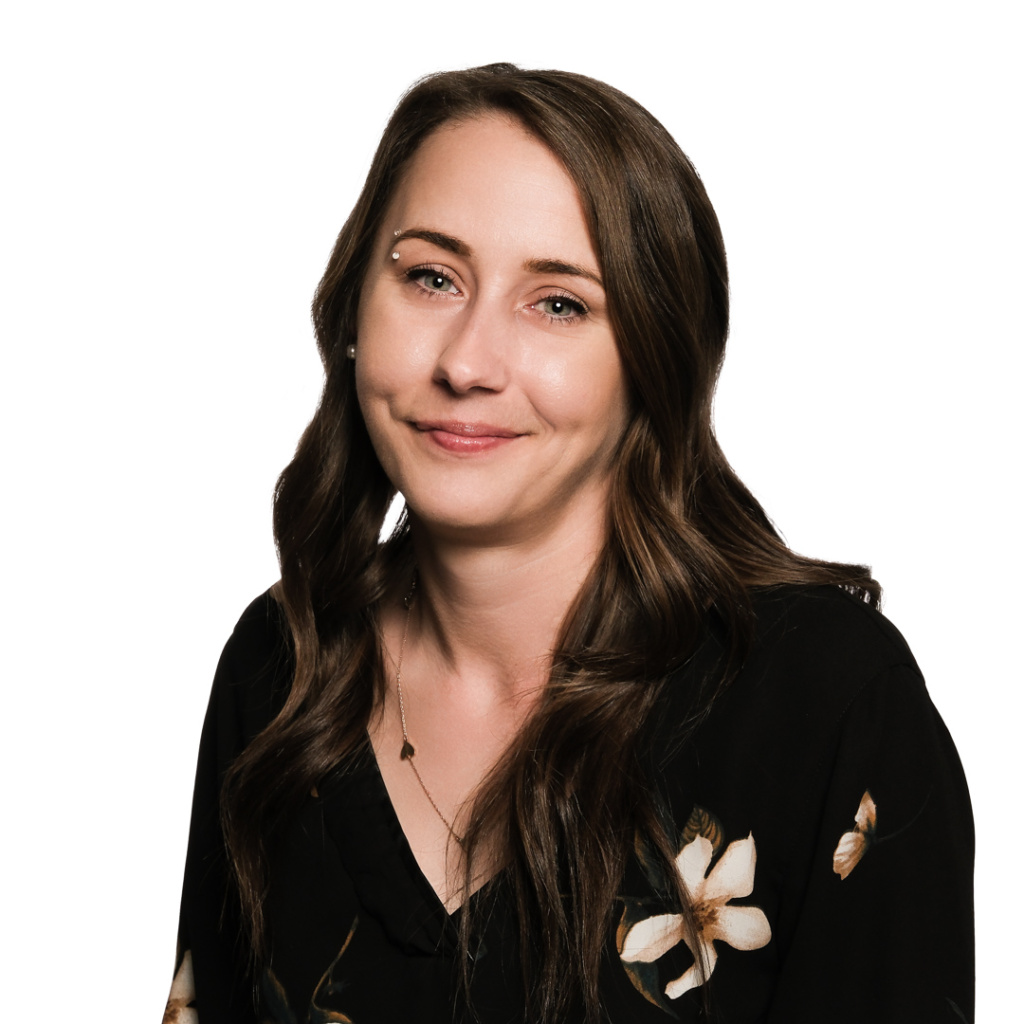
(361, 820)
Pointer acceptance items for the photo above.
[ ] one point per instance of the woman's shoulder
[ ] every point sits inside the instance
(825, 623)
(823, 646)
(255, 669)
(815, 653)
(259, 633)
(826, 680)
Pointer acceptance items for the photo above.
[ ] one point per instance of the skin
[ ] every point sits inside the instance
(491, 385)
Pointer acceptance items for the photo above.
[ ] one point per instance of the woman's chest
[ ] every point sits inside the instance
(358, 931)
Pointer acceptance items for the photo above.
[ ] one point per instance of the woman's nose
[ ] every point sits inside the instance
(476, 350)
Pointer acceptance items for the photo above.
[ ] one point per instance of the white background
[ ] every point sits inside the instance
(174, 176)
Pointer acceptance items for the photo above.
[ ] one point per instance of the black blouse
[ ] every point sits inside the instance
(824, 835)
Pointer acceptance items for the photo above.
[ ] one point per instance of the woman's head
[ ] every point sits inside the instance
(487, 370)
(652, 228)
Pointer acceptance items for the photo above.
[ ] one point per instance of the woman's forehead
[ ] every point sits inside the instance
(489, 182)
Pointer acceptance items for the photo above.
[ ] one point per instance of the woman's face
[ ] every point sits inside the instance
(486, 368)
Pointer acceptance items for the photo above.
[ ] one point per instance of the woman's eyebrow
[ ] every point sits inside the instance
(460, 248)
(560, 267)
(447, 242)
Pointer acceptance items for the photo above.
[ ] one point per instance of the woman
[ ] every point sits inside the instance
(583, 740)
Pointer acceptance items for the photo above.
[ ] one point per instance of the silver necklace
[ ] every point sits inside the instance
(408, 750)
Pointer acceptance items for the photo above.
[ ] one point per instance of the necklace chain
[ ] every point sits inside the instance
(408, 752)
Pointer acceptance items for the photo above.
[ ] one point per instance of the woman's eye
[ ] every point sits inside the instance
(433, 280)
(561, 307)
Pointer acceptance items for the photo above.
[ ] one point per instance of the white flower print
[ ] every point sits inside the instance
(740, 927)
(183, 994)
(854, 844)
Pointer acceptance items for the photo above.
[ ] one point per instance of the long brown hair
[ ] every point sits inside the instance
(687, 540)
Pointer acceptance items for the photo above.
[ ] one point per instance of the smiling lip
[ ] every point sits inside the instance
(454, 436)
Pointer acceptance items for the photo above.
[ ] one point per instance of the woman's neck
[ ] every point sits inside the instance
(493, 614)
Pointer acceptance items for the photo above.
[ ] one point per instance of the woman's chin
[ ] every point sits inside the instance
(463, 523)
(479, 525)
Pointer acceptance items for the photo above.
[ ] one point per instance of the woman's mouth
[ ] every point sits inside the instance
(458, 436)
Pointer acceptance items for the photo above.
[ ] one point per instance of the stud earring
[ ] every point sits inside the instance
(351, 351)
(395, 255)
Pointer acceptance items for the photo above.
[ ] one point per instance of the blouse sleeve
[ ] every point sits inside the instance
(883, 931)
(211, 985)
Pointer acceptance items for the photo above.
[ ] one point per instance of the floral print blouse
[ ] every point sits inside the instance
(824, 834)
